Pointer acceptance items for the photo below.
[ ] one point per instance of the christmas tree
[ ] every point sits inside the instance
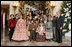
(66, 13)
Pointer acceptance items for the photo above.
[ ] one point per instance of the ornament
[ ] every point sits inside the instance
(62, 14)
(70, 11)
(70, 26)
(67, 9)
(64, 8)
(70, 6)
(69, 17)
(64, 24)
(64, 30)
(67, 14)
(67, 4)
(65, 19)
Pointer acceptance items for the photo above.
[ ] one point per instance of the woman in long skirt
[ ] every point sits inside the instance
(40, 37)
(20, 31)
(48, 25)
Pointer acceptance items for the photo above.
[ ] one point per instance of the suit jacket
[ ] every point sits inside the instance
(31, 26)
(15, 19)
(54, 23)
(36, 25)
(11, 23)
(59, 22)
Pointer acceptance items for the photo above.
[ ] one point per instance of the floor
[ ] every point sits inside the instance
(1, 34)
(34, 43)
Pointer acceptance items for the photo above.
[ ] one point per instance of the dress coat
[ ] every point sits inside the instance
(59, 23)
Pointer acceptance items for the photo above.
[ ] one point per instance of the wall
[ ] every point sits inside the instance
(57, 7)
(10, 3)
(11, 10)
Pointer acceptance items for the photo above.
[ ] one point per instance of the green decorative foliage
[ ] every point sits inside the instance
(66, 13)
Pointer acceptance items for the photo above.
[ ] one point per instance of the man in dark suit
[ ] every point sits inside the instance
(59, 26)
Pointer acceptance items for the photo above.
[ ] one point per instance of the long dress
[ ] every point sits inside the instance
(20, 31)
(40, 37)
(49, 31)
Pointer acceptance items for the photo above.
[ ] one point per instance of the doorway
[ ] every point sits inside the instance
(4, 8)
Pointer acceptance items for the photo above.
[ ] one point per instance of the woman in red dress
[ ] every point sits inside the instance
(11, 26)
